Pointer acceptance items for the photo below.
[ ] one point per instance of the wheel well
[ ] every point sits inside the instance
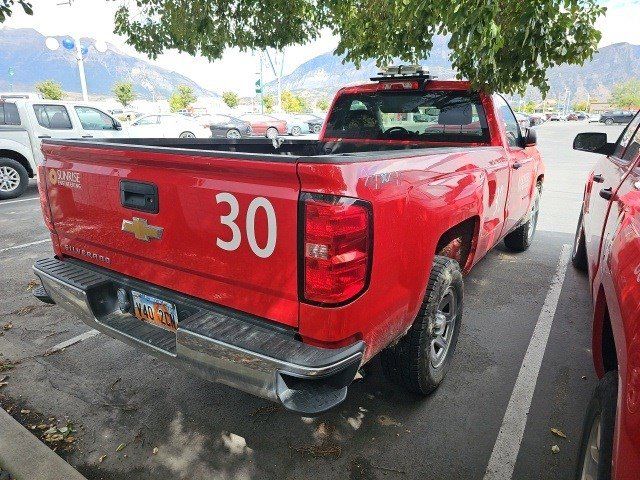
(609, 357)
(540, 179)
(604, 347)
(459, 241)
(18, 158)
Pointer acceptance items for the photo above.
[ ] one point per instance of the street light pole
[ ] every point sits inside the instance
(83, 80)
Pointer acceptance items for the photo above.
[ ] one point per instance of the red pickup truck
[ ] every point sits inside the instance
(280, 268)
(607, 246)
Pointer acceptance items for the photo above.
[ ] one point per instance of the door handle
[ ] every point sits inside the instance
(606, 193)
(44, 136)
(516, 165)
(598, 178)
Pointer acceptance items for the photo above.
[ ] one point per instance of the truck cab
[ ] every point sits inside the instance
(25, 122)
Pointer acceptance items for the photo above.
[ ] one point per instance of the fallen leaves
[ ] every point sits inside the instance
(4, 367)
(155, 450)
(24, 310)
(555, 449)
(56, 435)
(31, 285)
(120, 447)
(558, 433)
(102, 457)
(3, 381)
(7, 326)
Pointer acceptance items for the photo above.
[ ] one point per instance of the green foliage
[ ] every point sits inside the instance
(580, 106)
(269, 102)
(231, 99)
(7, 5)
(529, 107)
(499, 45)
(323, 104)
(627, 94)
(50, 90)
(292, 103)
(123, 91)
(181, 98)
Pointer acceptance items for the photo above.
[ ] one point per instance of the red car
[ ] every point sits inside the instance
(607, 246)
(281, 268)
(265, 125)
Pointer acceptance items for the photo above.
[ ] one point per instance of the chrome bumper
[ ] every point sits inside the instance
(218, 344)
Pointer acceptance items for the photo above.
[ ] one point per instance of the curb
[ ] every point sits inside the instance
(27, 458)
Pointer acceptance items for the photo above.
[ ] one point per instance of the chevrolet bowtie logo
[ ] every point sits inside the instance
(141, 229)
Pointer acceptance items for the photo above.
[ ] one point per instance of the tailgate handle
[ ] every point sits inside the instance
(139, 196)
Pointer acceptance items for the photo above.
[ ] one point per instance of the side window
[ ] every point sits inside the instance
(9, 114)
(53, 117)
(509, 119)
(151, 120)
(626, 136)
(93, 119)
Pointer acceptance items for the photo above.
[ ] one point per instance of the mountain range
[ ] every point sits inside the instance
(23, 52)
(610, 65)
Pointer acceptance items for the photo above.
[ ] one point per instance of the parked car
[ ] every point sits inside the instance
(618, 116)
(607, 247)
(295, 126)
(167, 126)
(523, 120)
(25, 122)
(537, 119)
(265, 125)
(279, 268)
(594, 118)
(555, 117)
(225, 126)
(314, 121)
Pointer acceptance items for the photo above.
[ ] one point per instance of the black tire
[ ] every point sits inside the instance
(579, 253)
(187, 135)
(603, 405)
(520, 239)
(10, 167)
(409, 362)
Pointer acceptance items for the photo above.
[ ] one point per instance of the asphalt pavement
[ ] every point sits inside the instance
(137, 418)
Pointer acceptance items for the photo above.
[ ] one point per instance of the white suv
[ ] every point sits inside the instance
(25, 122)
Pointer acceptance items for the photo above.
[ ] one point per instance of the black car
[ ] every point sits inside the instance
(314, 122)
(225, 126)
(618, 116)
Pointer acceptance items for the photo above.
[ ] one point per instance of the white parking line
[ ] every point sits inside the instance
(8, 202)
(15, 247)
(505, 451)
(73, 341)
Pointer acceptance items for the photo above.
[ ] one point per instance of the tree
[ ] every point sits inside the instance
(323, 104)
(581, 106)
(269, 102)
(181, 98)
(500, 45)
(292, 103)
(529, 107)
(50, 90)
(7, 5)
(627, 94)
(231, 99)
(123, 91)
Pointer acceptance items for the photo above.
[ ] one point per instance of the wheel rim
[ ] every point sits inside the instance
(592, 453)
(295, 131)
(9, 179)
(442, 327)
(316, 129)
(272, 133)
(233, 134)
(533, 216)
(187, 135)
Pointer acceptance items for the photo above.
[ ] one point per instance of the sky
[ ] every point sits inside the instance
(236, 70)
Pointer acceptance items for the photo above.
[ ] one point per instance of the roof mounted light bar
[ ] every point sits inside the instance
(392, 72)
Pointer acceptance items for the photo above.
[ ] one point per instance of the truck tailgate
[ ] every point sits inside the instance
(225, 228)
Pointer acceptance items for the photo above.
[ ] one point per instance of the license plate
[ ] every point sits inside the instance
(154, 310)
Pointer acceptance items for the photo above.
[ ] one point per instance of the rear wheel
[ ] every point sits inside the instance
(14, 178)
(187, 135)
(272, 132)
(421, 359)
(608, 121)
(520, 239)
(233, 133)
(596, 446)
(579, 254)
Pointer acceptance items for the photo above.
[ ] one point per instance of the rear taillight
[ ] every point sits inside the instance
(336, 248)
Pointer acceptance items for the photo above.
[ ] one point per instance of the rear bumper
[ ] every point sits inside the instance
(218, 344)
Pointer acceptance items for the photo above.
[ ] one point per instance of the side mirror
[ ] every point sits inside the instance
(530, 137)
(117, 125)
(594, 142)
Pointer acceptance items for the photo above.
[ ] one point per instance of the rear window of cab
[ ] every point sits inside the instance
(427, 116)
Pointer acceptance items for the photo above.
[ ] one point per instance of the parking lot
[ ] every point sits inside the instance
(115, 395)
